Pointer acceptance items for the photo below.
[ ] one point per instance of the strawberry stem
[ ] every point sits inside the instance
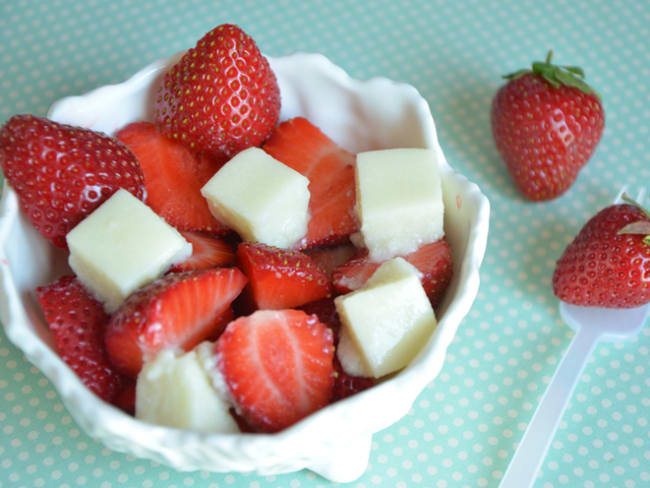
(549, 55)
(556, 75)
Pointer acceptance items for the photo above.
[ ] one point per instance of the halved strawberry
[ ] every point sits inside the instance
(277, 366)
(173, 177)
(326, 312)
(207, 252)
(345, 384)
(330, 171)
(77, 321)
(432, 260)
(177, 311)
(281, 278)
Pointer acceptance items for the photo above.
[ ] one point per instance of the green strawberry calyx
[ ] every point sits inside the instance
(641, 227)
(557, 75)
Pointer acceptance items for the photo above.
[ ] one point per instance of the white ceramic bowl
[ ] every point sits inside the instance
(334, 442)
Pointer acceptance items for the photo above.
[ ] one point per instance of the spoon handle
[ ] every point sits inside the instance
(541, 429)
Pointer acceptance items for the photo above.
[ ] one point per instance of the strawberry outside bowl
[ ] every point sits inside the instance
(335, 441)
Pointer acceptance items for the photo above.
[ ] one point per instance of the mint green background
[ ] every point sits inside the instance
(462, 430)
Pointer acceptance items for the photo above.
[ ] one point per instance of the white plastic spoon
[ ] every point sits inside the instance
(592, 324)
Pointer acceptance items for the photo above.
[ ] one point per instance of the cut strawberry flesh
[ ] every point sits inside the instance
(330, 171)
(176, 311)
(173, 177)
(277, 366)
(280, 278)
(433, 260)
(345, 384)
(207, 252)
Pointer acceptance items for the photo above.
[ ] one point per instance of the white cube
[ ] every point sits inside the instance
(121, 246)
(399, 200)
(259, 197)
(176, 391)
(387, 321)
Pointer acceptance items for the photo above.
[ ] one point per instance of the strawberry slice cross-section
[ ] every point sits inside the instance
(173, 177)
(277, 366)
(207, 252)
(281, 278)
(176, 311)
(330, 170)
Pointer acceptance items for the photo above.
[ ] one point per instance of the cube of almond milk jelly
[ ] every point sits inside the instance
(387, 321)
(399, 200)
(175, 390)
(259, 197)
(121, 246)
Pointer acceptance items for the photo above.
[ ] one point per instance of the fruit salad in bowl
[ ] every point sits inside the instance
(237, 263)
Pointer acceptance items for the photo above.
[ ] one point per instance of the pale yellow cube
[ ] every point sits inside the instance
(121, 246)
(175, 391)
(399, 200)
(259, 197)
(386, 322)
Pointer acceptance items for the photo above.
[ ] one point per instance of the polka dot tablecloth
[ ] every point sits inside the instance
(463, 428)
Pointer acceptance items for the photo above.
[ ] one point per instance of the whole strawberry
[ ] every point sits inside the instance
(62, 173)
(221, 97)
(77, 322)
(546, 124)
(608, 263)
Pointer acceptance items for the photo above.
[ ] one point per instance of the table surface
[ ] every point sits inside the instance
(463, 428)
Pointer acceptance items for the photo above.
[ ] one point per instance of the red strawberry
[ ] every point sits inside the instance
(221, 97)
(432, 260)
(326, 312)
(608, 263)
(173, 177)
(207, 252)
(280, 278)
(178, 311)
(546, 125)
(77, 321)
(346, 385)
(62, 173)
(125, 399)
(330, 171)
(277, 366)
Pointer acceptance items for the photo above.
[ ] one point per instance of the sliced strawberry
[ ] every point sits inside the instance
(277, 366)
(330, 171)
(177, 311)
(173, 178)
(344, 384)
(224, 319)
(326, 312)
(432, 260)
(280, 278)
(77, 321)
(207, 252)
(330, 258)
